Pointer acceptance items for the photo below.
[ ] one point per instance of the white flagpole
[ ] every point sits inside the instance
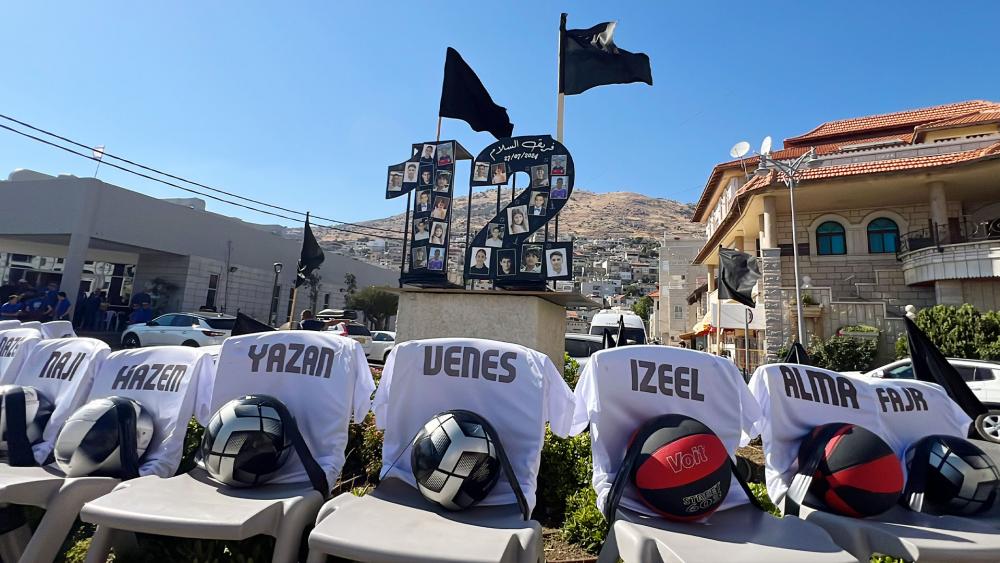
(99, 155)
(560, 97)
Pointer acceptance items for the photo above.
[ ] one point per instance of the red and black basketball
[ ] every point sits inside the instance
(683, 471)
(858, 475)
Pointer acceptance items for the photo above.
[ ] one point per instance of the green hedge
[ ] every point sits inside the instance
(959, 332)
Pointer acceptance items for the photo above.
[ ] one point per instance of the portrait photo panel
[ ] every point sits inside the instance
(423, 202)
(539, 176)
(419, 260)
(559, 165)
(559, 190)
(479, 262)
(445, 154)
(428, 152)
(442, 183)
(436, 258)
(499, 173)
(439, 232)
(421, 229)
(410, 170)
(517, 219)
(506, 263)
(538, 205)
(481, 172)
(531, 258)
(426, 175)
(556, 264)
(395, 180)
(494, 234)
(441, 207)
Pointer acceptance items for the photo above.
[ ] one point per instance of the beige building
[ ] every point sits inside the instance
(678, 277)
(896, 209)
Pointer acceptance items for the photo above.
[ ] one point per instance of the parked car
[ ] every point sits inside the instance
(607, 319)
(355, 331)
(180, 329)
(382, 343)
(982, 377)
(581, 346)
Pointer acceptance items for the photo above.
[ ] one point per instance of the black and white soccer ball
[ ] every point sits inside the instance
(454, 460)
(960, 478)
(37, 410)
(246, 443)
(88, 442)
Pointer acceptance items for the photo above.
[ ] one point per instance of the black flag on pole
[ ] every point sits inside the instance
(311, 257)
(464, 97)
(738, 274)
(797, 355)
(929, 364)
(589, 58)
(246, 324)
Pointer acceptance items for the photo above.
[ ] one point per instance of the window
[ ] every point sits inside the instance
(326, 301)
(164, 320)
(830, 239)
(968, 373)
(679, 312)
(883, 236)
(904, 371)
(213, 288)
(184, 321)
(274, 303)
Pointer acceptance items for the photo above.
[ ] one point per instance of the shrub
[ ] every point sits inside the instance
(585, 525)
(565, 469)
(760, 493)
(842, 353)
(959, 332)
(571, 371)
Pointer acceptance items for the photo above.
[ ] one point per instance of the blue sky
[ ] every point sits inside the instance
(305, 104)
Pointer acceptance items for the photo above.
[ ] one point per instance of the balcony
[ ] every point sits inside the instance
(963, 249)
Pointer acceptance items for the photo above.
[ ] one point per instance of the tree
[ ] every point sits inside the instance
(352, 285)
(312, 282)
(377, 305)
(643, 307)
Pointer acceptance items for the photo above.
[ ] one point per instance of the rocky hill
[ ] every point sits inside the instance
(587, 215)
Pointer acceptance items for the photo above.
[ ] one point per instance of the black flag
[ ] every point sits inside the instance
(738, 274)
(248, 325)
(929, 364)
(311, 257)
(797, 355)
(464, 97)
(589, 57)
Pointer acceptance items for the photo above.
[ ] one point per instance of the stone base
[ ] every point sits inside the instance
(529, 320)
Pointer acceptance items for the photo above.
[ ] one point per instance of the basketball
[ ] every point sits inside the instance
(955, 476)
(858, 475)
(683, 471)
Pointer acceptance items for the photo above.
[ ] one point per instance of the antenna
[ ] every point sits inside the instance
(765, 145)
(740, 150)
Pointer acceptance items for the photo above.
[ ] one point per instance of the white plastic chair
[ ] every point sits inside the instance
(14, 352)
(57, 329)
(192, 505)
(9, 324)
(32, 324)
(394, 523)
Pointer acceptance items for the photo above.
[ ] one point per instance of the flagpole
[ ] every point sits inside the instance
(406, 235)
(560, 110)
(718, 311)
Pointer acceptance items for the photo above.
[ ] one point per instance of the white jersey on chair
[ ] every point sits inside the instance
(622, 388)
(15, 345)
(9, 324)
(62, 371)
(57, 329)
(164, 380)
(515, 388)
(795, 399)
(322, 378)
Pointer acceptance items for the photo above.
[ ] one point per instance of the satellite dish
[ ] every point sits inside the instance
(740, 149)
(765, 145)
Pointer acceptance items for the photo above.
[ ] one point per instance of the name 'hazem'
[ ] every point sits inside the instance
(291, 358)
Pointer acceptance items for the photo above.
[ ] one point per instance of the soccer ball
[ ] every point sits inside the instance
(960, 478)
(245, 443)
(88, 442)
(454, 460)
(37, 410)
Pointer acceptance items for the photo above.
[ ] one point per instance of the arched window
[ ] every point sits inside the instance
(883, 236)
(830, 239)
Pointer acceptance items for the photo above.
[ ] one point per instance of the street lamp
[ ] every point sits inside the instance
(274, 293)
(789, 171)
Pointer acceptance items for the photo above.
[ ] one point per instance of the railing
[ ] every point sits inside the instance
(956, 231)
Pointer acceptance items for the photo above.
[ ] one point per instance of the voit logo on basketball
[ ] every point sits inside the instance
(687, 460)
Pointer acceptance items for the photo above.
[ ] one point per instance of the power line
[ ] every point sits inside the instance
(189, 190)
(106, 154)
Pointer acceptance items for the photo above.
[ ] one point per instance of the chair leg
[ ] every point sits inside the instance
(288, 538)
(59, 517)
(316, 556)
(100, 545)
(609, 551)
(12, 543)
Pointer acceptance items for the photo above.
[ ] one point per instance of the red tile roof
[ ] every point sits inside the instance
(655, 293)
(983, 117)
(895, 120)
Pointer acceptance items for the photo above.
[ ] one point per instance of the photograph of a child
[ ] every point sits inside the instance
(426, 175)
(480, 261)
(555, 263)
(481, 172)
(439, 231)
(499, 173)
(495, 238)
(419, 257)
(423, 204)
(559, 165)
(559, 189)
(440, 207)
(428, 153)
(410, 172)
(539, 204)
(445, 154)
(517, 218)
(505, 263)
(539, 176)
(395, 180)
(421, 229)
(443, 181)
(531, 258)
(436, 260)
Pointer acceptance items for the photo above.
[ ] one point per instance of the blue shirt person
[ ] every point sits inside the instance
(62, 306)
(11, 308)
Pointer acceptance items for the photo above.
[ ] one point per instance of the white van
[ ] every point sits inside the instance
(635, 330)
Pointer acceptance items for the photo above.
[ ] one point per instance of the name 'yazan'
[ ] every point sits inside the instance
(150, 377)
(293, 357)
(466, 361)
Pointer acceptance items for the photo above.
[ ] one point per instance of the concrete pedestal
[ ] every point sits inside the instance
(533, 319)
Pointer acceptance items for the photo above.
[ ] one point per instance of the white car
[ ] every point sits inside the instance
(180, 329)
(354, 331)
(382, 343)
(982, 377)
(581, 346)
